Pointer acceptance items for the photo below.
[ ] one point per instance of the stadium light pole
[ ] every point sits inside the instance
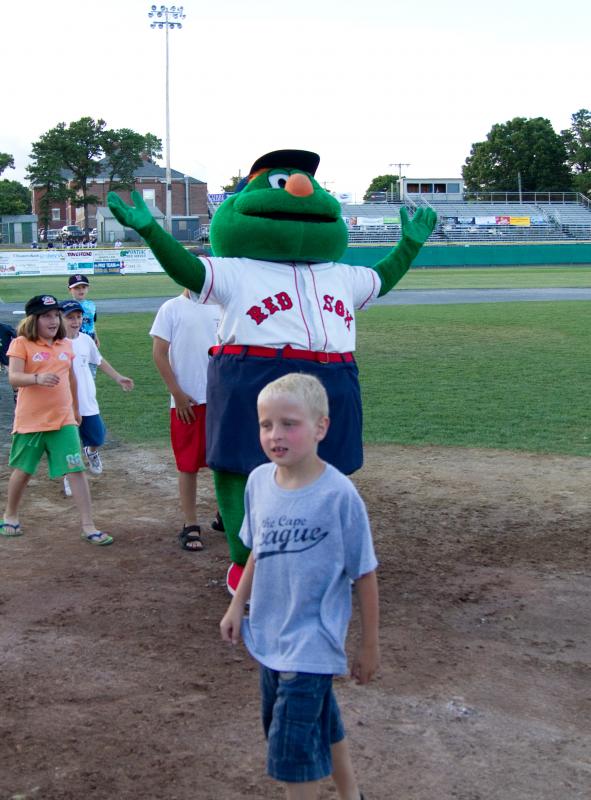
(165, 17)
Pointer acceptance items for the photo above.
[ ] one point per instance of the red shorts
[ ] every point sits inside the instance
(188, 440)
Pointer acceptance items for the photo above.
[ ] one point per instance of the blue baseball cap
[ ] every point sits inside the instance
(69, 306)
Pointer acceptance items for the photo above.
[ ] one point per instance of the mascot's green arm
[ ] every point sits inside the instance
(415, 233)
(182, 267)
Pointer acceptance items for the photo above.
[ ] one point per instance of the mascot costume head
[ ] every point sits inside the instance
(280, 213)
(288, 305)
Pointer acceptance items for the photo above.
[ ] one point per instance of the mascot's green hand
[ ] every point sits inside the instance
(415, 233)
(421, 226)
(137, 216)
(181, 265)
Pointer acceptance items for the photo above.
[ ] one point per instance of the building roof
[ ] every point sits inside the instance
(147, 170)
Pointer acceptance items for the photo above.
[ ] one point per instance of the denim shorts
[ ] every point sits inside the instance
(301, 720)
(92, 431)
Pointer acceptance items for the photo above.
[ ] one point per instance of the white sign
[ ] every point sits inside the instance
(137, 260)
(370, 222)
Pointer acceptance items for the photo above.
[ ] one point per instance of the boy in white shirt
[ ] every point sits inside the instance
(182, 333)
(86, 353)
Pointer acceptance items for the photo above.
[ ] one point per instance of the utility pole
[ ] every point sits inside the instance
(399, 164)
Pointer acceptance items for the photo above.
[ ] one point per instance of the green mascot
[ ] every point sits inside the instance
(288, 305)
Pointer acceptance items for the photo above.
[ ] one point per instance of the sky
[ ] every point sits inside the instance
(364, 83)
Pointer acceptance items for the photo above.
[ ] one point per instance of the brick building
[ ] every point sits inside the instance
(189, 197)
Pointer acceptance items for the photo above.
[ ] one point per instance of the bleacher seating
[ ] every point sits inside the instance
(567, 219)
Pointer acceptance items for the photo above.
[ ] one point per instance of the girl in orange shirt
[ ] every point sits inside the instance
(46, 415)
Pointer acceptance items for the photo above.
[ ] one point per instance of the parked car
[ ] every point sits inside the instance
(53, 235)
(72, 232)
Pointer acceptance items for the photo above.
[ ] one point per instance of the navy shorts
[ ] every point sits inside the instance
(92, 431)
(301, 720)
(232, 425)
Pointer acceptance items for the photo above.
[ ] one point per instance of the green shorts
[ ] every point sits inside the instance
(62, 448)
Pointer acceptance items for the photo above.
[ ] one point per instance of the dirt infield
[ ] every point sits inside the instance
(116, 686)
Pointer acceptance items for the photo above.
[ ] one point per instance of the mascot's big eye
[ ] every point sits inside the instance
(278, 180)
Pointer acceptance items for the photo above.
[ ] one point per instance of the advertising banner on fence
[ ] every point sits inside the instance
(124, 261)
(370, 222)
(523, 222)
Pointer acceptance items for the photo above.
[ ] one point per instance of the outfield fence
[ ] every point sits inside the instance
(141, 260)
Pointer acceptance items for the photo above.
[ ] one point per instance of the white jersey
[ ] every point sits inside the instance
(85, 353)
(190, 330)
(274, 304)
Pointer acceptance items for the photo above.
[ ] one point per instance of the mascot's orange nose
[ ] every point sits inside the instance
(299, 185)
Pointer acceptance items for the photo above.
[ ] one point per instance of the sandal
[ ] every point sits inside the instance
(9, 529)
(97, 537)
(218, 523)
(191, 534)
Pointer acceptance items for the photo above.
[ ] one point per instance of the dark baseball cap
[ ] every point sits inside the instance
(41, 304)
(288, 159)
(69, 306)
(78, 280)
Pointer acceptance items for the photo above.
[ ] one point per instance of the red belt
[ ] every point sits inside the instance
(281, 352)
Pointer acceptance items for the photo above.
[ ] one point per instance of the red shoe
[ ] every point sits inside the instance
(233, 577)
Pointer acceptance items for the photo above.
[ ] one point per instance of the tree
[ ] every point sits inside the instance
(231, 187)
(14, 198)
(85, 148)
(527, 147)
(382, 183)
(6, 160)
(577, 140)
(45, 171)
(152, 147)
(123, 149)
(79, 147)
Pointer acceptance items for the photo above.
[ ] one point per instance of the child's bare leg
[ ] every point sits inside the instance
(81, 495)
(188, 496)
(302, 791)
(342, 771)
(17, 484)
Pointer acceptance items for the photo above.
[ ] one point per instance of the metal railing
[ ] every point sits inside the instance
(536, 198)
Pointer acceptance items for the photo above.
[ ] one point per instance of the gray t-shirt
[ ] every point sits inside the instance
(308, 544)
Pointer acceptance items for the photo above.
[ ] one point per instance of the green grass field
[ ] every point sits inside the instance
(13, 290)
(500, 375)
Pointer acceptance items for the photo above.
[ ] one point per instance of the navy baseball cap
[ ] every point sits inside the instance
(69, 306)
(41, 304)
(290, 159)
(78, 280)
(305, 160)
